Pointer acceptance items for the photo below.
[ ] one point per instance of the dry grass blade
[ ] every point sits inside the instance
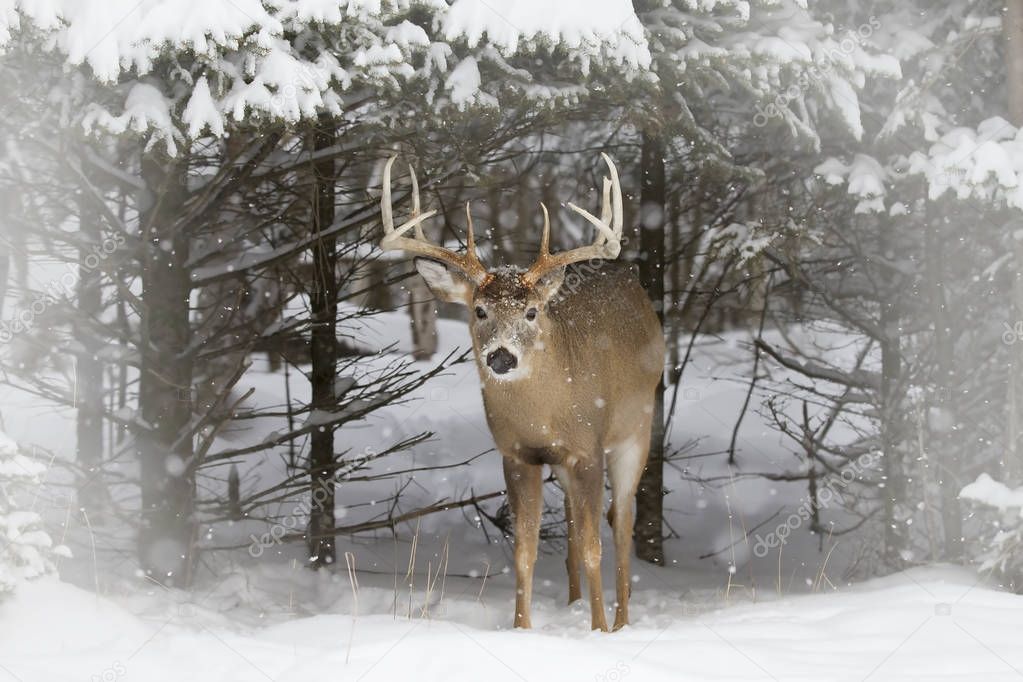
(354, 581)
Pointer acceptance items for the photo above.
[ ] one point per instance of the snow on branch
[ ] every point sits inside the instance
(291, 60)
(587, 27)
(985, 163)
(987, 491)
(866, 178)
(116, 36)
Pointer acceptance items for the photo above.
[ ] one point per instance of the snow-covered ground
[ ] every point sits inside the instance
(260, 615)
(927, 624)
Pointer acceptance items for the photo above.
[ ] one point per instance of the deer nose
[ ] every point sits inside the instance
(501, 361)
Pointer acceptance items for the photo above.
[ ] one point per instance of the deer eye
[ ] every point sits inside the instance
(480, 313)
(531, 314)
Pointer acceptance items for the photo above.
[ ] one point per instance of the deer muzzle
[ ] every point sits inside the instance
(501, 361)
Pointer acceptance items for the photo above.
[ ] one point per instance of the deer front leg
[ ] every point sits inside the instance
(524, 483)
(586, 490)
(575, 591)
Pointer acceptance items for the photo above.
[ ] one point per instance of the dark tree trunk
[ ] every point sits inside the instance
(676, 283)
(891, 405)
(89, 369)
(167, 537)
(323, 300)
(943, 414)
(1013, 33)
(650, 496)
(423, 317)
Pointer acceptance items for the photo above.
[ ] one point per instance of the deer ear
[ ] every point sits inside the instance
(547, 286)
(447, 285)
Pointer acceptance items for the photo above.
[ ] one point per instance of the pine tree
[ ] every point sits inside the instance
(26, 549)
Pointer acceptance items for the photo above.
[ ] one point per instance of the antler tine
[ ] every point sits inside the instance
(391, 233)
(544, 259)
(608, 242)
(394, 239)
(472, 258)
(415, 201)
(470, 239)
(617, 218)
(605, 211)
(385, 199)
(545, 240)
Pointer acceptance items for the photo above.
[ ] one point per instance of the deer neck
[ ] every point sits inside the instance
(529, 413)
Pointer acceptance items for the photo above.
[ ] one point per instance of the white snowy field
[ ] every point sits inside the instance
(260, 615)
(926, 624)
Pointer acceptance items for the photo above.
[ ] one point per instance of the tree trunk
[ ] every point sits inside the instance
(89, 369)
(942, 417)
(323, 301)
(650, 496)
(380, 295)
(1013, 34)
(5, 271)
(423, 315)
(167, 537)
(676, 283)
(894, 492)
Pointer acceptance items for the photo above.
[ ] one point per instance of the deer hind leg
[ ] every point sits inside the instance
(572, 559)
(525, 493)
(586, 492)
(625, 464)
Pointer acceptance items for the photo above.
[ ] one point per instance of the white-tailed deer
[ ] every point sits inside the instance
(569, 357)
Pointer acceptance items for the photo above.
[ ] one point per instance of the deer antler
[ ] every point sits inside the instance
(394, 239)
(607, 244)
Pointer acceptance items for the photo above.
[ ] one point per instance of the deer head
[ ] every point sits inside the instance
(508, 321)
